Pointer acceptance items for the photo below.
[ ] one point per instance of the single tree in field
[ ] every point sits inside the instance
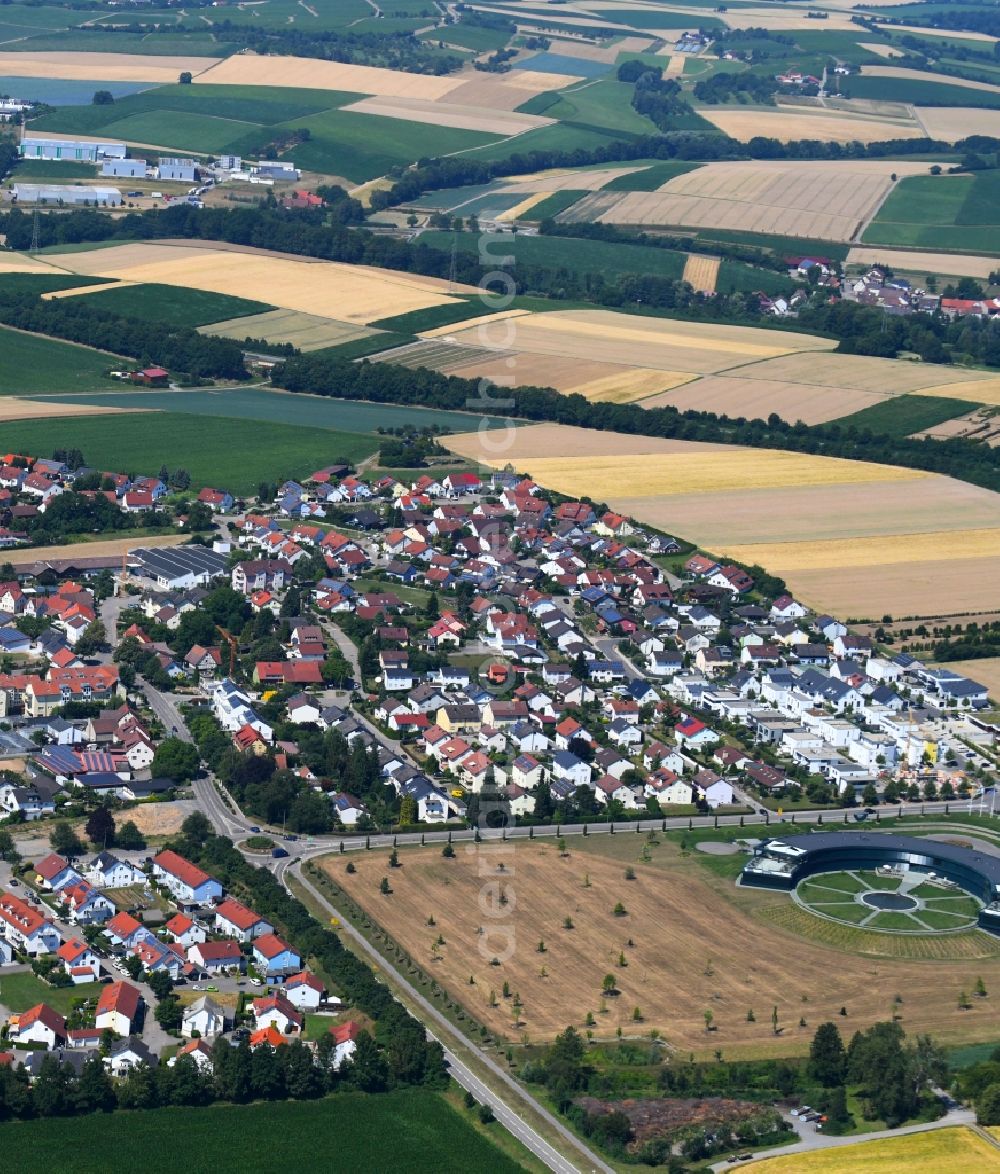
(101, 828)
(980, 988)
(774, 1019)
(828, 1056)
(65, 841)
(384, 887)
(608, 984)
(709, 1017)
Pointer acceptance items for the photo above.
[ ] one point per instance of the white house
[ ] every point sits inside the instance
(205, 1017)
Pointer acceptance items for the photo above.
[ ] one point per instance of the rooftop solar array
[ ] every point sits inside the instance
(171, 562)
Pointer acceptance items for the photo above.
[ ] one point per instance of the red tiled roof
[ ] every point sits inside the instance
(237, 914)
(186, 872)
(121, 997)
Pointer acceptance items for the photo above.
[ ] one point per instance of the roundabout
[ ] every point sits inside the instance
(889, 900)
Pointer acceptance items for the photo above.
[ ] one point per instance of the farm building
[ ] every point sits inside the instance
(182, 170)
(178, 567)
(66, 193)
(275, 169)
(125, 168)
(71, 150)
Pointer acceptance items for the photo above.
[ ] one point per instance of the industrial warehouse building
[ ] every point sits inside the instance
(70, 150)
(124, 168)
(177, 567)
(182, 170)
(68, 194)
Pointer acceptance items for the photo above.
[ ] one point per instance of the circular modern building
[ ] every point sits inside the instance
(784, 864)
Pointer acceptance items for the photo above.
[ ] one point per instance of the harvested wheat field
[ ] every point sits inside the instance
(709, 924)
(952, 123)
(355, 294)
(786, 125)
(881, 49)
(904, 261)
(446, 114)
(112, 547)
(22, 263)
(585, 180)
(709, 471)
(758, 398)
(849, 537)
(307, 73)
(848, 511)
(103, 67)
(606, 336)
(701, 272)
(954, 1150)
(522, 209)
(506, 91)
(827, 201)
(308, 332)
(612, 381)
(883, 377)
(12, 408)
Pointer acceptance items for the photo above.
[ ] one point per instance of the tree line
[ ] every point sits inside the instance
(326, 374)
(179, 348)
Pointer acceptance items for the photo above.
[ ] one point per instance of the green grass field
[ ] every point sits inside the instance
(917, 92)
(33, 364)
(409, 1131)
(174, 305)
(253, 404)
(606, 104)
(552, 205)
(782, 246)
(39, 283)
(236, 454)
(650, 178)
(905, 414)
(960, 212)
(363, 146)
(429, 319)
(578, 256)
(23, 989)
(244, 119)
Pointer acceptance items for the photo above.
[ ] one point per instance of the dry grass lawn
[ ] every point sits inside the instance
(701, 272)
(956, 1150)
(789, 124)
(355, 294)
(696, 944)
